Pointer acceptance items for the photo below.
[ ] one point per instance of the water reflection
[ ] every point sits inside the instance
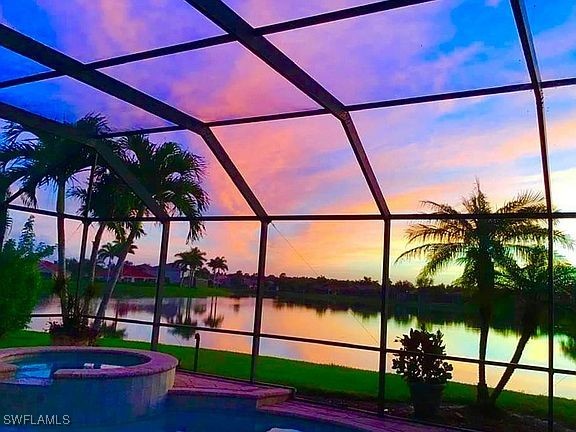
(335, 322)
(184, 318)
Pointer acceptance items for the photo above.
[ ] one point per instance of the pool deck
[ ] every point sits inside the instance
(280, 401)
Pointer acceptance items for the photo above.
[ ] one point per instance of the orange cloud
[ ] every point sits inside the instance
(298, 166)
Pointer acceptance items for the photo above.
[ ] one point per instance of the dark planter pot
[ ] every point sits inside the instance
(426, 399)
(68, 340)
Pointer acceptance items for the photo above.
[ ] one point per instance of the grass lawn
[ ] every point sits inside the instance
(318, 379)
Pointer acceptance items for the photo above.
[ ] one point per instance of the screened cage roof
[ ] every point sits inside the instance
(313, 108)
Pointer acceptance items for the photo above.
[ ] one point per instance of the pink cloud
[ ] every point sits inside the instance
(96, 29)
(263, 12)
(221, 82)
(237, 241)
(297, 166)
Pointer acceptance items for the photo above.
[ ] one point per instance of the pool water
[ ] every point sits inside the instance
(43, 366)
(202, 420)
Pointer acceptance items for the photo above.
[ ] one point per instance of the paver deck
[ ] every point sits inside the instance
(188, 383)
(279, 400)
(348, 418)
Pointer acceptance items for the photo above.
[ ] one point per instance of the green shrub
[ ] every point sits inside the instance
(20, 278)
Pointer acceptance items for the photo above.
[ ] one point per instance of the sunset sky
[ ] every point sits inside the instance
(432, 151)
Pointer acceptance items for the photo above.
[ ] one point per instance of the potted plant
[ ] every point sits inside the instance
(421, 365)
(74, 330)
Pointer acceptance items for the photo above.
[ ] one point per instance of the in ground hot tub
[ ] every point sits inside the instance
(83, 386)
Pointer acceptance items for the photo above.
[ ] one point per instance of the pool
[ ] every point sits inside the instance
(44, 365)
(91, 386)
(103, 389)
(202, 420)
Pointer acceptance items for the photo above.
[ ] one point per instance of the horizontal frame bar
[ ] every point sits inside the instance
(304, 217)
(389, 103)
(358, 217)
(353, 12)
(459, 359)
(25, 209)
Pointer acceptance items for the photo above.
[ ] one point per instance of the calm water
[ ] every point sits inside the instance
(337, 325)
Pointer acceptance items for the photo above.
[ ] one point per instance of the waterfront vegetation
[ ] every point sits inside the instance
(19, 289)
(313, 380)
(170, 176)
(496, 255)
(148, 290)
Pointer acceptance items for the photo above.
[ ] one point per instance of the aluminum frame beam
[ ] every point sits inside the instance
(527, 42)
(160, 283)
(35, 121)
(257, 328)
(228, 20)
(529, 51)
(384, 313)
(365, 106)
(323, 18)
(71, 67)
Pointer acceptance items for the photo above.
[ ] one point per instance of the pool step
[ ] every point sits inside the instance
(201, 385)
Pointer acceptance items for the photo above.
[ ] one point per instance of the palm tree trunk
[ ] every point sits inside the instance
(61, 276)
(529, 325)
(95, 249)
(524, 338)
(3, 224)
(485, 279)
(115, 276)
(109, 269)
(482, 388)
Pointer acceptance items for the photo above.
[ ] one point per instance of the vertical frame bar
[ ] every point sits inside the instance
(551, 323)
(160, 285)
(384, 318)
(529, 51)
(541, 118)
(259, 293)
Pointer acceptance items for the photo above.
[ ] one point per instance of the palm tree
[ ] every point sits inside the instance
(108, 252)
(218, 265)
(190, 261)
(46, 160)
(479, 244)
(6, 180)
(531, 282)
(107, 200)
(113, 250)
(173, 176)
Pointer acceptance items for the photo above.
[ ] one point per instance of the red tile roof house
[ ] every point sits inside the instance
(140, 273)
(172, 272)
(48, 268)
(130, 273)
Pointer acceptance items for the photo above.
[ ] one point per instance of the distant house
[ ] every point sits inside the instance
(142, 273)
(48, 269)
(172, 273)
(238, 280)
(139, 273)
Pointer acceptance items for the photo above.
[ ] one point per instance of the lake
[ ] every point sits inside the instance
(336, 325)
